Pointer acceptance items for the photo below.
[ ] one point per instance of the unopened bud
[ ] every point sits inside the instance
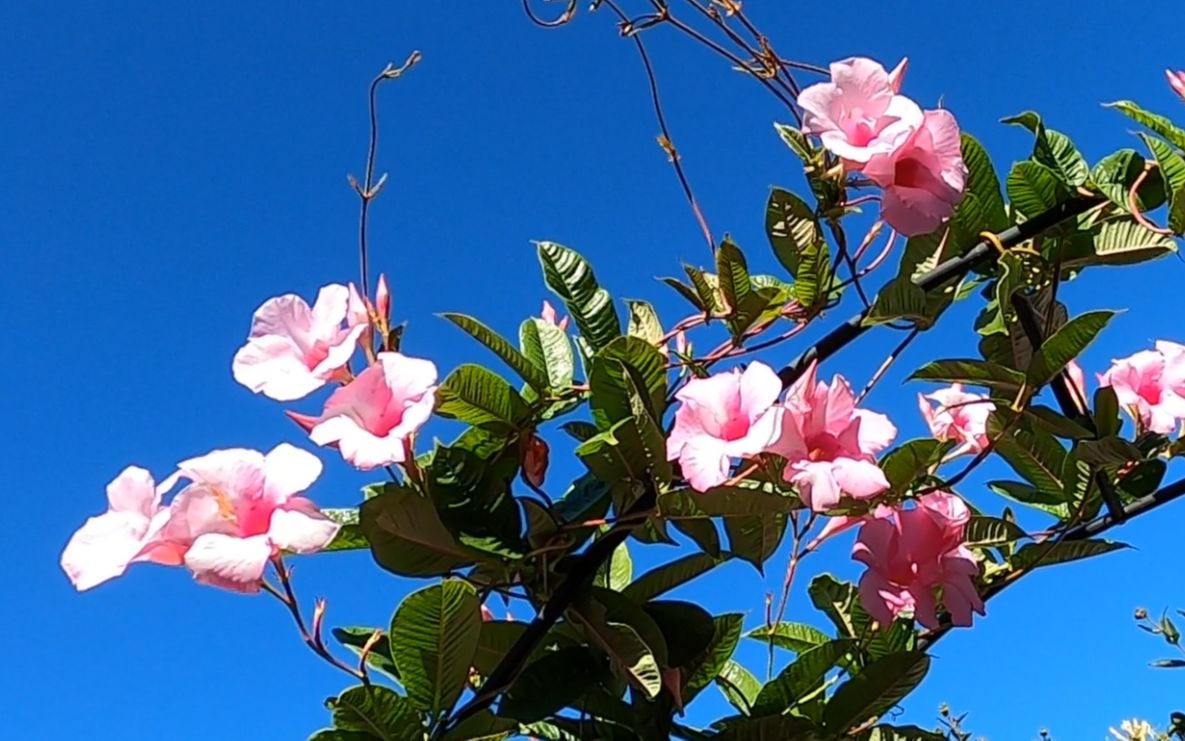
(318, 618)
(1141, 614)
(382, 300)
(1177, 82)
(535, 458)
(550, 316)
(486, 614)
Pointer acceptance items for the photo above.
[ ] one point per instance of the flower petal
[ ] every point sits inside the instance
(301, 529)
(102, 548)
(232, 563)
(289, 470)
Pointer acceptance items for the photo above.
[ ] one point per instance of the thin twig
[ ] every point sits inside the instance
(313, 640)
(892, 358)
(369, 188)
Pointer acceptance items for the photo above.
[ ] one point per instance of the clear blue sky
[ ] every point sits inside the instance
(168, 168)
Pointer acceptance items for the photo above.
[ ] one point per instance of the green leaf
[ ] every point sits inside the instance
(1155, 122)
(533, 373)
(755, 538)
(350, 536)
(724, 501)
(801, 678)
(377, 712)
(983, 183)
(876, 689)
(550, 683)
(480, 397)
(407, 537)
(686, 292)
(973, 372)
(769, 728)
(1052, 502)
(797, 637)
(1115, 175)
(900, 298)
(1056, 423)
(663, 579)
(495, 639)
(734, 274)
(1037, 457)
(629, 654)
(1064, 345)
(796, 140)
(719, 651)
(903, 733)
(355, 639)
(1054, 150)
(548, 347)
(791, 227)
(571, 278)
(991, 531)
(434, 636)
(1048, 554)
(702, 532)
(1117, 242)
(738, 685)
(644, 322)
(1106, 412)
(837, 600)
(470, 484)
(1108, 451)
(1034, 188)
(617, 572)
(1172, 172)
(613, 368)
(911, 460)
(687, 630)
(336, 734)
(707, 288)
(630, 450)
(812, 280)
(484, 726)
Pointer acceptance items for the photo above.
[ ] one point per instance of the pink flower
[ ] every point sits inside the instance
(294, 350)
(911, 554)
(923, 177)
(1177, 82)
(1144, 385)
(858, 114)
(959, 416)
(725, 416)
(829, 445)
(371, 419)
(550, 316)
(107, 543)
(241, 509)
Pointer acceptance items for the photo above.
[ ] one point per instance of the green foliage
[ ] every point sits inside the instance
(1115, 242)
(531, 372)
(1172, 172)
(434, 636)
(1153, 121)
(548, 347)
(755, 538)
(1115, 174)
(739, 686)
(663, 579)
(571, 278)
(407, 537)
(714, 658)
(972, 372)
(378, 657)
(1034, 188)
(480, 397)
(792, 228)
(1048, 554)
(350, 536)
(876, 689)
(803, 677)
(1064, 345)
(797, 637)
(1054, 150)
(550, 683)
(374, 713)
(984, 186)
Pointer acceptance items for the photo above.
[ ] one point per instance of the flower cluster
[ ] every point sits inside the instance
(1150, 385)
(240, 509)
(915, 156)
(829, 445)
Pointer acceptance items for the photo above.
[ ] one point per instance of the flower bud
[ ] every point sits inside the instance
(535, 459)
(1177, 82)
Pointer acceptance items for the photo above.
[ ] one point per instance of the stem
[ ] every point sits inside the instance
(368, 190)
(287, 597)
(956, 267)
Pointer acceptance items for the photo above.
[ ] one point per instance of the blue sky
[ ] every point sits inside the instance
(167, 168)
